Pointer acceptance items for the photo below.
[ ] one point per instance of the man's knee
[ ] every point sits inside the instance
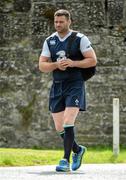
(70, 116)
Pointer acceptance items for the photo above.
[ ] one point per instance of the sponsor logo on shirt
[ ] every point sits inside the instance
(52, 42)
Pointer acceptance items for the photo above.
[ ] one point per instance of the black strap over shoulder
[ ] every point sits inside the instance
(87, 73)
(70, 41)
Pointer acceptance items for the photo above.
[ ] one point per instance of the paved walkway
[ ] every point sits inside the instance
(86, 172)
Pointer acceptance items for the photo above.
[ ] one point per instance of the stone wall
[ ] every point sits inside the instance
(24, 117)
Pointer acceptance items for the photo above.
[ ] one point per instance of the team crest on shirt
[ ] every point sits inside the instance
(61, 55)
(52, 42)
(77, 102)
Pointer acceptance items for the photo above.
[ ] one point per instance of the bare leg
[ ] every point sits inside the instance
(70, 115)
(58, 120)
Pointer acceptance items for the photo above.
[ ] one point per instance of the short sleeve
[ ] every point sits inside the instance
(85, 44)
(45, 50)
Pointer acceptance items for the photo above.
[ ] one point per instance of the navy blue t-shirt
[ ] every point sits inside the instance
(58, 50)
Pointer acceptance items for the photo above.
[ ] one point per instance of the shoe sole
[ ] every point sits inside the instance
(62, 170)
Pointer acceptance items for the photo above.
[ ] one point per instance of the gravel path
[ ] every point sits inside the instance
(86, 172)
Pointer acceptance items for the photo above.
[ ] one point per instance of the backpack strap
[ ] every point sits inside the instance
(87, 73)
(70, 42)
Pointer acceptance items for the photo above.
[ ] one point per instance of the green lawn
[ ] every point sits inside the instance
(30, 157)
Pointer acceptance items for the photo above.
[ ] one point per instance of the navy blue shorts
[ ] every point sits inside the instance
(67, 94)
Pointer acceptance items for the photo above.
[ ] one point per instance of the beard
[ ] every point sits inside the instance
(61, 30)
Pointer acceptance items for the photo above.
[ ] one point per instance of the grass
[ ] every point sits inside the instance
(32, 157)
(104, 155)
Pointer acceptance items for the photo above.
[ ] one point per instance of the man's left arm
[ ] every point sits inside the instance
(88, 53)
(89, 60)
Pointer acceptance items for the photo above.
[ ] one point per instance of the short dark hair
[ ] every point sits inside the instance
(63, 12)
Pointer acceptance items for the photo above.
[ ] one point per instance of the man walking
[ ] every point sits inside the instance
(67, 94)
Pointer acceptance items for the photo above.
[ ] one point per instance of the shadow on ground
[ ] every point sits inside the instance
(48, 173)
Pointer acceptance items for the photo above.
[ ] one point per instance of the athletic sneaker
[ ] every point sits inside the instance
(77, 158)
(63, 166)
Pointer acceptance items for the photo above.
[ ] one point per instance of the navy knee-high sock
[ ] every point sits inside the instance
(75, 147)
(68, 141)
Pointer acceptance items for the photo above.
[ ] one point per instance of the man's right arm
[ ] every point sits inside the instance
(45, 65)
(44, 60)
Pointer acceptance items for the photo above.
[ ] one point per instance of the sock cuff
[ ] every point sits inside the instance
(60, 132)
(68, 125)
